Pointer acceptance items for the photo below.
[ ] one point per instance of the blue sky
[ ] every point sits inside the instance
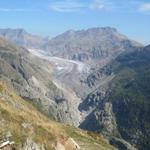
(52, 17)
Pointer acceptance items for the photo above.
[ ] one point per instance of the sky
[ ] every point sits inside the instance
(53, 17)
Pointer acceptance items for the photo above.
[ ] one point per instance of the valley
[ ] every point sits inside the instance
(74, 75)
(86, 79)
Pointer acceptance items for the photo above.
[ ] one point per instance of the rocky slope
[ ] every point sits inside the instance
(27, 129)
(31, 78)
(120, 108)
(23, 38)
(92, 45)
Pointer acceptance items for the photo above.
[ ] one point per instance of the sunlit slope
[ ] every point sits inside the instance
(25, 123)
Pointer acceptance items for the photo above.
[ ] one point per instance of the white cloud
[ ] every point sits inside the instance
(100, 5)
(66, 6)
(129, 6)
(11, 10)
(145, 8)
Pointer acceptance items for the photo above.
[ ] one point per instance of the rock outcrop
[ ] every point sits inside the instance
(30, 145)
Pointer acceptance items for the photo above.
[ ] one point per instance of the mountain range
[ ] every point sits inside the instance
(23, 38)
(95, 79)
(88, 45)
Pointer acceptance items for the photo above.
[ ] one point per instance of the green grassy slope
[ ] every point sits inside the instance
(22, 120)
(130, 95)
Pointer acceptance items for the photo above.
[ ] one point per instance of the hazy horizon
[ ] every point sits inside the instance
(53, 17)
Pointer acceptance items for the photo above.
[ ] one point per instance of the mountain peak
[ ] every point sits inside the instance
(103, 29)
(92, 30)
(21, 37)
(96, 32)
(10, 30)
(90, 44)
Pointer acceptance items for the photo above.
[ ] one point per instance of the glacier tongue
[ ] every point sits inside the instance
(62, 65)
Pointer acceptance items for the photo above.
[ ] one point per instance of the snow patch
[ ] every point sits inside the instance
(61, 64)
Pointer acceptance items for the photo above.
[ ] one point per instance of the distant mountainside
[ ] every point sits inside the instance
(121, 106)
(94, 44)
(23, 38)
